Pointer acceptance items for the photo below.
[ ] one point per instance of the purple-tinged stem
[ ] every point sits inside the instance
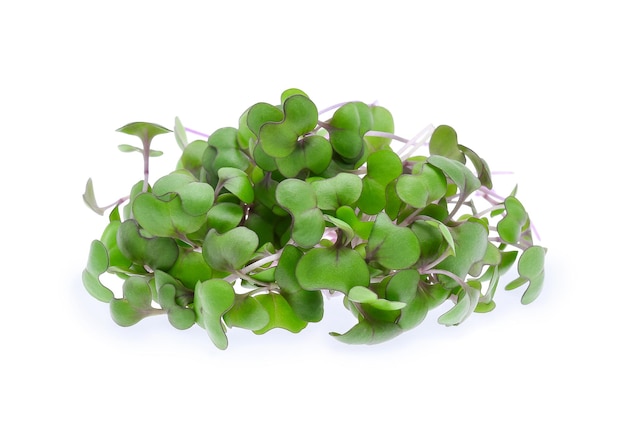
(118, 202)
(387, 135)
(415, 143)
(195, 132)
(146, 165)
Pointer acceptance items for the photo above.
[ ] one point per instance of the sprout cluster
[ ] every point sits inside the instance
(258, 221)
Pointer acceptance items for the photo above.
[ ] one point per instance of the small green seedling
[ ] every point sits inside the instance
(256, 222)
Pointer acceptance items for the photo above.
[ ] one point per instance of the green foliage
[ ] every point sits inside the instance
(256, 222)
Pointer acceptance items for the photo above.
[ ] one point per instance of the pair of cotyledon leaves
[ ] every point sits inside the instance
(286, 138)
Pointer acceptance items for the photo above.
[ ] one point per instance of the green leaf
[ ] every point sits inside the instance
(444, 142)
(431, 240)
(247, 312)
(366, 332)
(484, 307)
(167, 217)
(213, 298)
(90, 198)
(124, 314)
(181, 318)
(197, 198)
(530, 267)
(224, 216)
(237, 182)
(463, 308)
(97, 264)
(422, 188)
(361, 228)
(392, 246)
(174, 297)
(394, 205)
(265, 194)
(231, 250)
(342, 189)
(172, 182)
(95, 288)
(98, 261)
(337, 269)
(279, 139)
(313, 153)
(136, 304)
(137, 292)
(346, 230)
(460, 175)
(291, 92)
(159, 253)
(515, 221)
(191, 158)
(349, 125)
(362, 294)
(413, 313)
(482, 169)
(109, 238)
(404, 287)
(145, 131)
(154, 214)
(383, 167)
(298, 198)
(180, 134)
(256, 116)
(445, 232)
(223, 151)
(434, 294)
(129, 148)
(281, 315)
(286, 269)
(307, 305)
(382, 122)
(492, 258)
(190, 268)
(471, 241)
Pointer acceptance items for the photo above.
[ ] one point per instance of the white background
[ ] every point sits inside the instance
(535, 87)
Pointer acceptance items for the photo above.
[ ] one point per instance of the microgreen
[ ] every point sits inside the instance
(256, 222)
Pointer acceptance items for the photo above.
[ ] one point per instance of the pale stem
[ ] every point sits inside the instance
(324, 125)
(437, 261)
(521, 245)
(490, 209)
(489, 194)
(238, 274)
(261, 262)
(118, 202)
(268, 288)
(195, 132)
(411, 218)
(332, 107)
(146, 165)
(456, 209)
(415, 143)
(387, 135)
(450, 274)
(534, 229)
